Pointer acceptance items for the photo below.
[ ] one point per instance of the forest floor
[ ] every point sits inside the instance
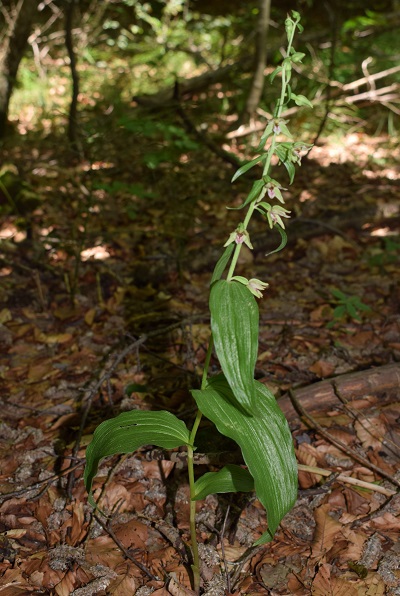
(121, 251)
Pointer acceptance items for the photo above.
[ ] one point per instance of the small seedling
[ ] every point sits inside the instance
(347, 307)
(241, 408)
(389, 255)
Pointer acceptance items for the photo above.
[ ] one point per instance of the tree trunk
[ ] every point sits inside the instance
(12, 51)
(257, 84)
(73, 109)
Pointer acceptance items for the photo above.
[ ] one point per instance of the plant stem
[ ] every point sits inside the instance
(279, 108)
(192, 515)
(195, 547)
(190, 460)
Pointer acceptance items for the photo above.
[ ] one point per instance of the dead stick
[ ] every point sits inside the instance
(37, 485)
(353, 454)
(126, 551)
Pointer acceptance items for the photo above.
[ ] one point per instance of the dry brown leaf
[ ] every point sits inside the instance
(370, 431)
(356, 541)
(176, 589)
(326, 585)
(326, 531)
(372, 585)
(52, 338)
(322, 368)
(387, 521)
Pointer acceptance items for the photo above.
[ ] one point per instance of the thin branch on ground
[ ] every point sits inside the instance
(126, 552)
(39, 484)
(347, 479)
(312, 423)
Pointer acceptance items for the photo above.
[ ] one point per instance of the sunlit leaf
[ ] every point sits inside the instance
(247, 166)
(129, 431)
(265, 441)
(234, 325)
(297, 57)
(230, 479)
(301, 100)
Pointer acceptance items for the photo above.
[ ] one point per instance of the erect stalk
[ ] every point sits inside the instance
(190, 459)
(195, 547)
(279, 108)
(190, 462)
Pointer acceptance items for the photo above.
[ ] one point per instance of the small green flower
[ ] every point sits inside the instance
(256, 287)
(240, 236)
(274, 189)
(299, 151)
(279, 127)
(273, 214)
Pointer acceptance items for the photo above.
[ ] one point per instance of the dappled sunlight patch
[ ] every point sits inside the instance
(98, 252)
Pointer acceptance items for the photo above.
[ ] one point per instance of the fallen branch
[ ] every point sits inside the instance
(382, 382)
(312, 423)
(348, 479)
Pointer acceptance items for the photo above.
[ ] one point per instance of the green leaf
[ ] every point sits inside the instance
(297, 57)
(234, 325)
(351, 309)
(340, 311)
(274, 73)
(129, 431)
(266, 134)
(253, 194)
(283, 241)
(265, 441)
(222, 263)
(339, 294)
(230, 479)
(301, 100)
(249, 165)
(135, 388)
(291, 170)
(284, 152)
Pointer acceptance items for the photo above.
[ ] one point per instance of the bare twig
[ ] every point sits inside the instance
(353, 454)
(348, 479)
(38, 485)
(126, 552)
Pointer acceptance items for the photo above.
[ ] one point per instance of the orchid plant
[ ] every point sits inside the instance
(241, 408)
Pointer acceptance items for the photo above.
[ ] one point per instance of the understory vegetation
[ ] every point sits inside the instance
(121, 231)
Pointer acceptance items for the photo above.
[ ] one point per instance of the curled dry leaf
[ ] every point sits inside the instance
(370, 431)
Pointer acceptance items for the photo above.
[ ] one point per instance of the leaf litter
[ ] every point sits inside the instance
(70, 314)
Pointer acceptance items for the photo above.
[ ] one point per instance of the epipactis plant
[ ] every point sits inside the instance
(241, 408)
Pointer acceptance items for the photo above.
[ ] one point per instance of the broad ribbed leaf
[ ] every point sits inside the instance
(234, 324)
(231, 479)
(265, 441)
(129, 431)
(222, 263)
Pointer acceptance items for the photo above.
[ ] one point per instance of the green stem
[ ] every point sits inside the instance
(195, 546)
(190, 461)
(267, 165)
